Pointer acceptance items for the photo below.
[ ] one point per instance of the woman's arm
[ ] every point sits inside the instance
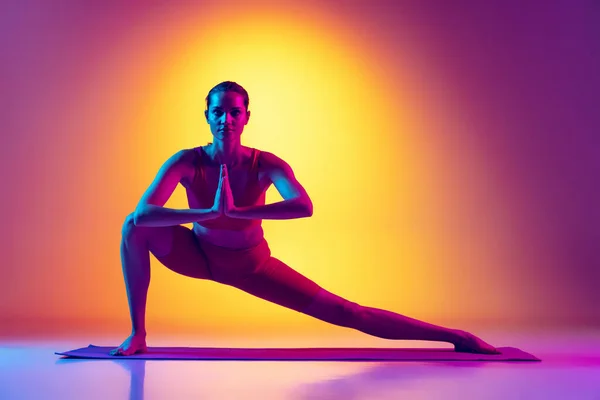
(153, 215)
(287, 209)
(296, 202)
(150, 210)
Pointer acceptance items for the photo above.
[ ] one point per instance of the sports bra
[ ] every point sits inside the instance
(201, 193)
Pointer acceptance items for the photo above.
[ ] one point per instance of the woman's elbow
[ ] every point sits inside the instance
(308, 207)
(139, 215)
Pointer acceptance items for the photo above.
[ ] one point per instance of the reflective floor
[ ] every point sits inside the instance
(570, 370)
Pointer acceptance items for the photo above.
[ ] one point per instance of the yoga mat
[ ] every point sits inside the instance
(303, 354)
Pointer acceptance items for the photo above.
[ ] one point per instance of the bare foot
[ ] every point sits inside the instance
(466, 342)
(132, 345)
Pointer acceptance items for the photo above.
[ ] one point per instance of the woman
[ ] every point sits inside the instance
(226, 184)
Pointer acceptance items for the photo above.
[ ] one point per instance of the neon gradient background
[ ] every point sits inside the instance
(451, 152)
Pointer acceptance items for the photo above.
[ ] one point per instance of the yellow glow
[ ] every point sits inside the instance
(316, 104)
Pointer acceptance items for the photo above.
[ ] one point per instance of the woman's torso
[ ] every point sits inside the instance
(248, 185)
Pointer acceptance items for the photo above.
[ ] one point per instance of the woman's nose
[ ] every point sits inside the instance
(227, 117)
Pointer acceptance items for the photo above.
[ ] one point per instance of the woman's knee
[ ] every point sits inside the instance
(131, 230)
(347, 313)
(334, 309)
(129, 227)
(158, 240)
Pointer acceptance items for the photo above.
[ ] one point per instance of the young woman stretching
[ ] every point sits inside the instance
(225, 184)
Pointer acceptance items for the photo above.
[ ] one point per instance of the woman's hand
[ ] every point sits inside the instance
(218, 207)
(227, 194)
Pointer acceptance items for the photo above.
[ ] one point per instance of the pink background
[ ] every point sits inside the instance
(476, 125)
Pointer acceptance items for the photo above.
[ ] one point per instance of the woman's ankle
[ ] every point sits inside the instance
(138, 333)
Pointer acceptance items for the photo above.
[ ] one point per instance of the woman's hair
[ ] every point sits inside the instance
(228, 86)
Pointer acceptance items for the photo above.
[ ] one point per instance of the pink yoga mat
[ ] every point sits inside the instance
(303, 354)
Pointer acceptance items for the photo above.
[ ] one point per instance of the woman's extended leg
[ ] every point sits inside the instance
(173, 246)
(278, 283)
(385, 324)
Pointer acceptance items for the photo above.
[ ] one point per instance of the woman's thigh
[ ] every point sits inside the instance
(185, 256)
(276, 282)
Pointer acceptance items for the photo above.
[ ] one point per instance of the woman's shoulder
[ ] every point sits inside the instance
(183, 156)
(270, 161)
(186, 156)
(184, 160)
(267, 158)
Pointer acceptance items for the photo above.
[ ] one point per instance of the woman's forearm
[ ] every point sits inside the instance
(151, 215)
(287, 209)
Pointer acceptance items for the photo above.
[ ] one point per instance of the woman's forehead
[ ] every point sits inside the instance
(227, 99)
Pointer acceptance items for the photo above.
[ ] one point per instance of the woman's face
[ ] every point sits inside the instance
(227, 115)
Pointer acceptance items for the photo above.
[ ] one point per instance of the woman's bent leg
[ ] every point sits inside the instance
(174, 247)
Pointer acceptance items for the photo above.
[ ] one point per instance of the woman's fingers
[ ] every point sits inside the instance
(219, 186)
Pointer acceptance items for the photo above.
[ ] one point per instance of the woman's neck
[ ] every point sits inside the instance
(228, 153)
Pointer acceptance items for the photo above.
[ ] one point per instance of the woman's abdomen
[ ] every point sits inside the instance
(233, 239)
